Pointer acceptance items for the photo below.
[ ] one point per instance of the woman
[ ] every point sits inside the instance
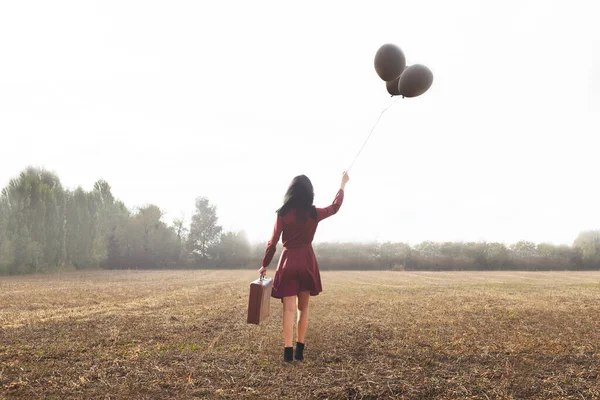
(297, 276)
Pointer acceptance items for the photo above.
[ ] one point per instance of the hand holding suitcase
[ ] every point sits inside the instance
(259, 301)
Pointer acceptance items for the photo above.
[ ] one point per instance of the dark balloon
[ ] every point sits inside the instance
(392, 87)
(389, 62)
(415, 80)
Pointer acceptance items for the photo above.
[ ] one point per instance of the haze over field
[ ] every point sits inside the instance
(168, 102)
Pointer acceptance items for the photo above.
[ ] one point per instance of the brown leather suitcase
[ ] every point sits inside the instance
(259, 301)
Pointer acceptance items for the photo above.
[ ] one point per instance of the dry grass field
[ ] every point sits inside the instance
(413, 335)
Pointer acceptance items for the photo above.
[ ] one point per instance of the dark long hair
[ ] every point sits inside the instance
(299, 195)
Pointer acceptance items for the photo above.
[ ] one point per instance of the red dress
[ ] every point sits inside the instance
(298, 269)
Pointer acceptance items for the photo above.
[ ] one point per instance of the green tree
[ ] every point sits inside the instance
(82, 222)
(524, 252)
(6, 252)
(394, 255)
(34, 222)
(588, 243)
(204, 231)
(233, 250)
(181, 232)
(116, 222)
(144, 242)
(498, 256)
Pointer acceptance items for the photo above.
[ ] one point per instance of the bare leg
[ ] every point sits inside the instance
(303, 298)
(289, 309)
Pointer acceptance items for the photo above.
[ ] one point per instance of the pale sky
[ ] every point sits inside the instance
(172, 100)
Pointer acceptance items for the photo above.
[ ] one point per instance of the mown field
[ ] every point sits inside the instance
(413, 335)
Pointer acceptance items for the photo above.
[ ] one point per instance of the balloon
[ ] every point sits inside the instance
(392, 87)
(415, 80)
(389, 62)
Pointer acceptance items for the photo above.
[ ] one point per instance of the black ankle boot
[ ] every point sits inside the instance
(288, 354)
(299, 351)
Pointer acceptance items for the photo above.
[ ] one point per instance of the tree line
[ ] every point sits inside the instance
(45, 227)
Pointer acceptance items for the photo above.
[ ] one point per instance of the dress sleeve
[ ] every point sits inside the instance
(326, 212)
(272, 244)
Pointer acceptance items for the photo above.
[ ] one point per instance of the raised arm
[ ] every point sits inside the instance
(272, 244)
(326, 212)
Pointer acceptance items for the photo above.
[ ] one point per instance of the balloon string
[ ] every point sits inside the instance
(371, 132)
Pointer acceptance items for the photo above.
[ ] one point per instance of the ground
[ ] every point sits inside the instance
(413, 335)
